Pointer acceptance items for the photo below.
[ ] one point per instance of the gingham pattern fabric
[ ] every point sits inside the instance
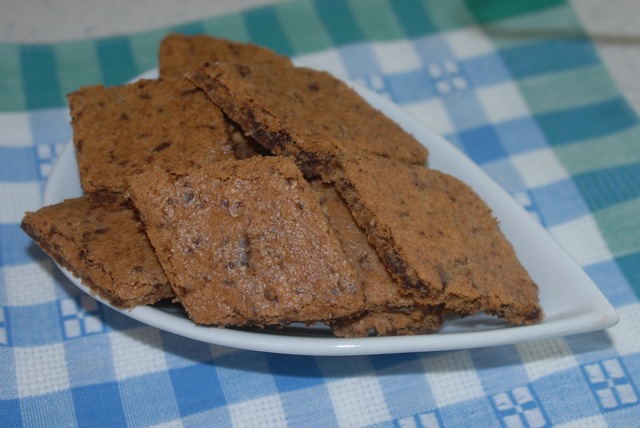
(517, 86)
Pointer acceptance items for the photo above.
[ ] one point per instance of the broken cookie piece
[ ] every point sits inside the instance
(304, 113)
(121, 130)
(99, 241)
(387, 311)
(246, 243)
(438, 239)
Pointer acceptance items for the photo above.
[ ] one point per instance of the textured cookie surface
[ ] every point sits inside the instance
(438, 238)
(121, 130)
(304, 113)
(246, 243)
(100, 242)
(387, 311)
(180, 53)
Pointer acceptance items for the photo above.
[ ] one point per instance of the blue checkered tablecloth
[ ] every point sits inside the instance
(517, 86)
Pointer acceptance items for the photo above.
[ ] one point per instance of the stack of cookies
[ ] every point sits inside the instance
(254, 192)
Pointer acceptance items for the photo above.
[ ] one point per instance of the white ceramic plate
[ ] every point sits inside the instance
(571, 301)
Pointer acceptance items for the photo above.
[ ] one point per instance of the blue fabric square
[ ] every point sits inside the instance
(359, 60)
(572, 385)
(99, 405)
(559, 202)
(482, 144)
(15, 246)
(197, 388)
(148, 399)
(405, 391)
(291, 372)
(183, 352)
(498, 371)
(630, 266)
(520, 135)
(9, 385)
(433, 49)
(90, 360)
(57, 406)
(485, 70)
(587, 122)
(465, 110)
(612, 282)
(35, 325)
(410, 87)
(591, 347)
(18, 164)
(11, 414)
(50, 126)
(384, 362)
(549, 56)
(506, 175)
(245, 375)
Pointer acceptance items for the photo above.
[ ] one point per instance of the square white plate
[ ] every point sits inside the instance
(571, 301)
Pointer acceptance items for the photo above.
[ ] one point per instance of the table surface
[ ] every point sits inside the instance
(547, 111)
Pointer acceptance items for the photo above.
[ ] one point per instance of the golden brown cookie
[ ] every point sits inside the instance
(246, 243)
(438, 238)
(99, 241)
(180, 53)
(304, 113)
(121, 130)
(387, 311)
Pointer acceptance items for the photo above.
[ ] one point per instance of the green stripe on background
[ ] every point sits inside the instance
(144, 49)
(339, 21)
(494, 10)
(303, 27)
(567, 89)
(612, 150)
(377, 20)
(618, 225)
(553, 23)
(189, 28)
(81, 58)
(230, 27)
(630, 267)
(608, 187)
(448, 15)
(11, 93)
(264, 29)
(40, 77)
(413, 16)
(116, 61)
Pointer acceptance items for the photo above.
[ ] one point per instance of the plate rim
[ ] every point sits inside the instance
(599, 314)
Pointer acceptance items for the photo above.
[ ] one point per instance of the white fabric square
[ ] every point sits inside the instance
(539, 168)
(16, 130)
(544, 357)
(469, 42)
(397, 57)
(329, 60)
(452, 378)
(628, 327)
(136, 352)
(502, 102)
(582, 239)
(358, 401)
(18, 198)
(41, 369)
(432, 113)
(170, 424)
(30, 284)
(261, 412)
